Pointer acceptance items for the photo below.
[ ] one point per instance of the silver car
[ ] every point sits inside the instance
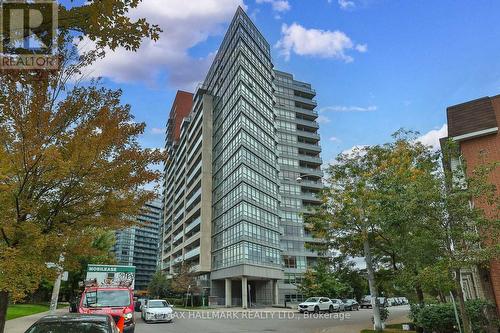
(156, 310)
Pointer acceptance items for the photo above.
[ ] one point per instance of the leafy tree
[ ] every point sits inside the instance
(347, 217)
(70, 162)
(107, 23)
(184, 280)
(100, 252)
(159, 285)
(322, 281)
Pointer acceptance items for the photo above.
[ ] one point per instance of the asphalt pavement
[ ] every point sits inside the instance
(268, 320)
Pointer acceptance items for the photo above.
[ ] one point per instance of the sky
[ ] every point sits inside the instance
(376, 65)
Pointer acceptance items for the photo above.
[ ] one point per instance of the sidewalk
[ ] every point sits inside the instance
(20, 325)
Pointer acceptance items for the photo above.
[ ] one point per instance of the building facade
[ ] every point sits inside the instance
(300, 177)
(223, 204)
(474, 125)
(138, 246)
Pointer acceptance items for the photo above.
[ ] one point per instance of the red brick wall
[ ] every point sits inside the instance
(484, 150)
(180, 109)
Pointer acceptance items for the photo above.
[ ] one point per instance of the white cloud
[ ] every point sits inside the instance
(315, 42)
(346, 4)
(157, 130)
(355, 150)
(322, 119)
(341, 108)
(278, 5)
(361, 48)
(334, 139)
(184, 24)
(432, 137)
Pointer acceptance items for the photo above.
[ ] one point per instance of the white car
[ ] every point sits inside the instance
(316, 304)
(338, 305)
(155, 310)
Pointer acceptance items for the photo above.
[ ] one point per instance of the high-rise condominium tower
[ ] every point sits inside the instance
(229, 157)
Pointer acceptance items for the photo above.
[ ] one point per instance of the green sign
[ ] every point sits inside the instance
(110, 268)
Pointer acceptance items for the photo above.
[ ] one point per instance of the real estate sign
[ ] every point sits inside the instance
(109, 275)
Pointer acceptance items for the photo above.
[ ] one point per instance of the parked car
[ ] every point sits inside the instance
(350, 304)
(391, 301)
(316, 304)
(366, 302)
(139, 303)
(116, 301)
(155, 310)
(338, 305)
(102, 323)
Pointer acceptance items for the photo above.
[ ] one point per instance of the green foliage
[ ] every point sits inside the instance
(384, 314)
(159, 286)
(322, 281)
(440, 318)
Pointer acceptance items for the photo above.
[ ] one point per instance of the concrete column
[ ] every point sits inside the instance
(244, 292)
(228, 293)
(275, 292)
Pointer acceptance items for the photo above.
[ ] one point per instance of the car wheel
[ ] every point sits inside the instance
(316, 309)
(330, 309)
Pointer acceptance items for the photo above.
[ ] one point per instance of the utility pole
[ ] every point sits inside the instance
(57, 285)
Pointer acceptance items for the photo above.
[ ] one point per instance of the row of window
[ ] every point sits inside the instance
(290, 189)
(288, 161)
(293, 278)
(293, 230)
(245, 173)
(256, 147)
(287, 138)
(255, 232)
(292, 245)
(242, 155)
(246, 252)
(295, 262)
(293, 217)
(245, 190)
(245, 210)
(285, 125)
(291, 203)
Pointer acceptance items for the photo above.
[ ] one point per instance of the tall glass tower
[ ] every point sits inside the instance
(245, 230)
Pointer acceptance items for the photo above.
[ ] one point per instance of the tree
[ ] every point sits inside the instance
(184, 280)
(323, 281)
(106, 23)
(159, 285)
(70, 163)
(99, 252)
(347, 216)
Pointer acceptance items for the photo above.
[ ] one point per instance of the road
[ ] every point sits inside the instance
(222, 321)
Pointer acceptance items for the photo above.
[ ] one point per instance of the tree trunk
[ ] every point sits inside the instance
(461, 303)
(372, 284)
(4, 303)
(421, 302)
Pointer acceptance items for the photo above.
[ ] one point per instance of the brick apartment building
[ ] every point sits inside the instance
(474, 125)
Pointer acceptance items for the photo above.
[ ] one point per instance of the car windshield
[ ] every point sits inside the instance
(312, 299)
(107, 298)
(70, 327)
(157, 304)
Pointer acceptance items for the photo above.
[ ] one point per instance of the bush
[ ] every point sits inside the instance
(384, 314)
(440, 318)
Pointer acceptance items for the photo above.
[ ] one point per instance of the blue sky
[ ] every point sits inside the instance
(377, 65)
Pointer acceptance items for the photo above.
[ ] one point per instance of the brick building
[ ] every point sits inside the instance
(474, 125)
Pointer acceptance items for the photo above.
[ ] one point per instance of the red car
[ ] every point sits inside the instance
(115, 301)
